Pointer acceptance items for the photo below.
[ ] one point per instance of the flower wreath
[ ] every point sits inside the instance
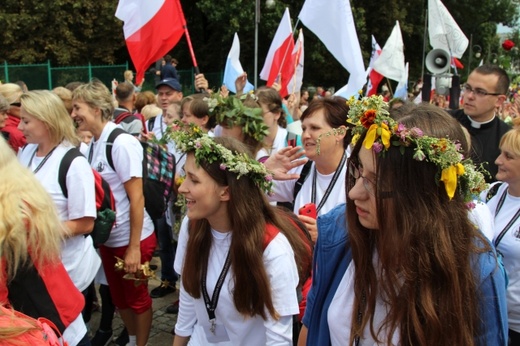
(192, 139)
(230, 111)
(371, 114)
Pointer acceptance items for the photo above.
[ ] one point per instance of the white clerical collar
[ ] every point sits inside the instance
(477, 124)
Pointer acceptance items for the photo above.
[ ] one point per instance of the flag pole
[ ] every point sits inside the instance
(424, 41)
(188, 39)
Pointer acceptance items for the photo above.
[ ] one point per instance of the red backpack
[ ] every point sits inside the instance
(20, 329)
(105, 202)
(306, 281)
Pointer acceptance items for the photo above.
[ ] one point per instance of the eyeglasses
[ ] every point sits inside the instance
(356, 172)
(478, 92)
(15, 104)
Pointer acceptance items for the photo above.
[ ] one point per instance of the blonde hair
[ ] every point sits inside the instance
(11, 92)
(511, 139)
(150, 111)
(47, 107)
(127, 74)
(96, 95)
(65, 95)
(4, 105)
(516, 122)
(29, 217)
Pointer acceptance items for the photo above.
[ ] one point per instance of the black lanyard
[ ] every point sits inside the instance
(211, 306)
(511, 222)
(331, 184)
(43, 161)
(91, 152)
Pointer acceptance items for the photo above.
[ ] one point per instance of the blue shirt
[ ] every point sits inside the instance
(332, 255)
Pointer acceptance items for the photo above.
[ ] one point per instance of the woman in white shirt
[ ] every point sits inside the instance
(50, 134)
(132, 237)
(325, 143)
(238, 262)
(505, 207)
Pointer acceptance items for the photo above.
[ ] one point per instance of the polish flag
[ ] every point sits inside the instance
(279, 64)
(295, 84)
(374, 77)
(152, 28)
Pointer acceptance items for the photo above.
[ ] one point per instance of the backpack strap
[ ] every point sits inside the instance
(65, 163)
(110, 142)
(270, 232)
(493, 191)
(151, 122)
(303, 176)
(122, 116)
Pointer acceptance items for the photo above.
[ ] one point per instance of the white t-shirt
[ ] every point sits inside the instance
(339, 315)
(281, 269)
(279, 140)
(482, 218)
(78, 254)
(127, 157)
(509, 246)
(284, 190)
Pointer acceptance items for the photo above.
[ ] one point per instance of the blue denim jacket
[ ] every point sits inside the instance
(332, 255)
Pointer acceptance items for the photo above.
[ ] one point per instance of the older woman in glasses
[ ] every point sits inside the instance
(14, 136)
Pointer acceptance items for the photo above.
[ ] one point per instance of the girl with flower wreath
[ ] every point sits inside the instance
(239, 257)
(402, 264)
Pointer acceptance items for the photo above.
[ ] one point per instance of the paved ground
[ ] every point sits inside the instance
(162, 323)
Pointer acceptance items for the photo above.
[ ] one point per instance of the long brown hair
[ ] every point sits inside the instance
(249, 212)
(424, 243)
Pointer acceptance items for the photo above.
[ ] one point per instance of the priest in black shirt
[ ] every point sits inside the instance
(484, 92)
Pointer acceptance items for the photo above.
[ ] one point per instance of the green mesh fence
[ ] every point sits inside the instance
(45, 76)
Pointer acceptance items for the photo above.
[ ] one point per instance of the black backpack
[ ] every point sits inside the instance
(298, 186)
(158, 174)
(105, 202)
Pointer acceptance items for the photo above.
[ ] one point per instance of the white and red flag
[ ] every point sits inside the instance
(152, 28)
(374, 77)
(391, 61)
(296, 82)
(279, 63)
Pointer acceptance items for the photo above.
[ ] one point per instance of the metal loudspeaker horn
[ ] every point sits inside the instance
(438, 61)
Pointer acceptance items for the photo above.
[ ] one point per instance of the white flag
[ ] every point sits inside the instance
(444, 31)
(391, 61)
(234, 68)
(402, 88)
(295, 84)
(333, 23)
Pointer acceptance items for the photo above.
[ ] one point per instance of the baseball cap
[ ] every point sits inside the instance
(171, 82)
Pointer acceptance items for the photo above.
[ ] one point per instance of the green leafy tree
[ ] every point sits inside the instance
(75, 32)
(66, 32)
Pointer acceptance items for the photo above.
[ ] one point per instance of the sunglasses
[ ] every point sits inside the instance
(16, 104)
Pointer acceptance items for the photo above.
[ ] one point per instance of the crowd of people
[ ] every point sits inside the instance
(299, 220)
